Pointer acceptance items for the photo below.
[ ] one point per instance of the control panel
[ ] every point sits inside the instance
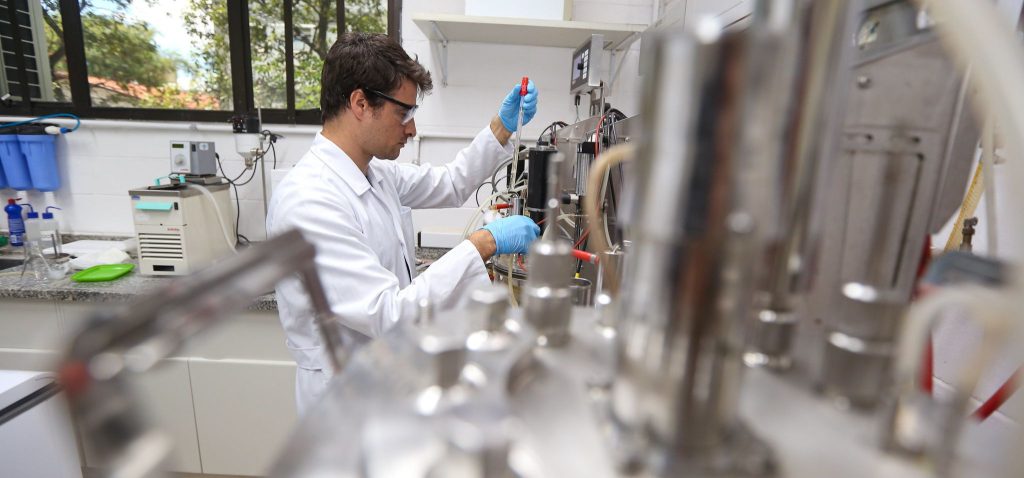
(193, 157)
(587, 66)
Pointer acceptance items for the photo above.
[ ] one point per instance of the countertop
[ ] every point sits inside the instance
(123, 289)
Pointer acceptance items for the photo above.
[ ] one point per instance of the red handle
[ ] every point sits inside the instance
(584, 256)
(522, 89)
(501, 206)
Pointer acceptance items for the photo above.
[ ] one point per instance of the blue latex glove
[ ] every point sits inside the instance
(509, 111)
(513, 234)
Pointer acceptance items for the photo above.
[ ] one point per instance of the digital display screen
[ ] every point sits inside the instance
(580, 66)
(177, 146)
(585, 72)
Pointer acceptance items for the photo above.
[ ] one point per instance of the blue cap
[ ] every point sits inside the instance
(32, 215)
(48, 214)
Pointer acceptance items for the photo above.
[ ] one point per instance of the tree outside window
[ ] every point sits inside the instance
(136, 60)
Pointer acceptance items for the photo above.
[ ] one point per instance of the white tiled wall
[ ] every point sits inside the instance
(102, 160)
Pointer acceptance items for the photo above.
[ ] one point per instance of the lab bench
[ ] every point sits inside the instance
(227, 399)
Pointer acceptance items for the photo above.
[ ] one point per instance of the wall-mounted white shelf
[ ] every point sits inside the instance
(443, 28)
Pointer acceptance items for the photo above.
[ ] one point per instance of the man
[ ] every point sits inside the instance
(357, 210)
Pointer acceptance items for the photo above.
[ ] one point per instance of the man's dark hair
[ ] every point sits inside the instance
(366, 60)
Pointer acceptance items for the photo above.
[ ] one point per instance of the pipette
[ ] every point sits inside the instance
(519, 136)
(519, 122)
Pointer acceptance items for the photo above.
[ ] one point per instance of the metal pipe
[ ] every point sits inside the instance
(688, 288)
(809, 39)
(547, 293)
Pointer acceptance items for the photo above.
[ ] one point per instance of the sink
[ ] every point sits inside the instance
(6, 263)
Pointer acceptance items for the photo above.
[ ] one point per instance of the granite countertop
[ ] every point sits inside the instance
(125, 288)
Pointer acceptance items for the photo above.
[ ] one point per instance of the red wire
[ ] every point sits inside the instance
(928, 361)
(583, 237)
(928, 368)
(1001, 395)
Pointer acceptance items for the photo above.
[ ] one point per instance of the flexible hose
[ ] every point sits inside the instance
(974, 33)
(1000, 396)
(220, 217)
(967, 209)
(591, 202)
(988, 148)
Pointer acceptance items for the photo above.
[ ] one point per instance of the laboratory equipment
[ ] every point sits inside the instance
(198, 158)
(31, 224)
(180, 229)
(15, 223)
(654, 382)
(102, 272)
(58, 265)
(909, 135)
(35, 266)
(252, 144)
(587, 66)
(49, 231)
(248, 138)
(44, 230)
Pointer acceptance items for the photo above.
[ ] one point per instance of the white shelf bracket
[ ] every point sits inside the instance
(444, 53)
(619, 48)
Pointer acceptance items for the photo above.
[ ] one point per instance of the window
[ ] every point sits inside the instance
(39, 62)
(195, 60)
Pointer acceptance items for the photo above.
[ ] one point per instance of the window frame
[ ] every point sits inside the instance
(243, 99)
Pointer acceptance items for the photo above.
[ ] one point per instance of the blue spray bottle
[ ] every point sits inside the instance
(15, 224)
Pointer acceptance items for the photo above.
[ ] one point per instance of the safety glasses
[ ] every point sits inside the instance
(410, 110)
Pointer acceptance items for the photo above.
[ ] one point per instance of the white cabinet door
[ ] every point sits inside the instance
(165, 397)
(246, 336)
(29, 324)
(164, 393)
(245, 410)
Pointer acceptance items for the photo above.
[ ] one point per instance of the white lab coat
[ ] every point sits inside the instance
(362, 229)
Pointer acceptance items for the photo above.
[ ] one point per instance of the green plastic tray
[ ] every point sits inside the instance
(102, 272)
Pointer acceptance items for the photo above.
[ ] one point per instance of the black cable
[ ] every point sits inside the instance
(553, 127)
(238, 211)
(615, 112)
(234, 182)
(234, 185)
(251, 176)
(579, 263)
(225, 174)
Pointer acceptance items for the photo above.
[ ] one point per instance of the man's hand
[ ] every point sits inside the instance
(508, 112)
(508, 235)
(499, 131)
(484, 242)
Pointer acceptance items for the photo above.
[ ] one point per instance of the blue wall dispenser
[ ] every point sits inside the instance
(28, 154)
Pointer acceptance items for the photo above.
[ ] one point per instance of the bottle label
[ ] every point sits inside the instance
(17, 226)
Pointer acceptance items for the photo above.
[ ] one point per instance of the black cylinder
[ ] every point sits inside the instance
(536, 180)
